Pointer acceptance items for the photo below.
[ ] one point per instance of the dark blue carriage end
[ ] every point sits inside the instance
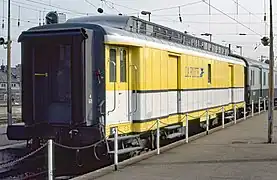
(17, 132)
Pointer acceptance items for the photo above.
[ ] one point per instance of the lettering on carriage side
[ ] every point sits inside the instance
(194, 72)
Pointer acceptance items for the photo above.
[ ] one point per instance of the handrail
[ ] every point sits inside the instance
(114, 88)
(100, 107)
(136, 107)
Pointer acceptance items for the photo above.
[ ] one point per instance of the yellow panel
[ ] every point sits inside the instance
(148, 68)
(172, 72)
(156, 69)
(125, 128)
(153, 68)
(164, 61)
(134, 70)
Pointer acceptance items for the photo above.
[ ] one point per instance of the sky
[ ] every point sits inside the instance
(224, 19)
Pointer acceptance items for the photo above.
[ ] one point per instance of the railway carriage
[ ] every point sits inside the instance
(256, 82)
(259, 85)
(83, 78)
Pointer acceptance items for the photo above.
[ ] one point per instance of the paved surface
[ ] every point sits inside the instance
(236, 153)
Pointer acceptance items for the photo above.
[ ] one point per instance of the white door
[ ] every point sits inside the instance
(117, 96)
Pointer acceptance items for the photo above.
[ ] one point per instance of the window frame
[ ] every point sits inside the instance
(112, 76)
(209, 73)
(123, 79)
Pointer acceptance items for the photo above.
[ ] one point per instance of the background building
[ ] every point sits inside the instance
(15, 86)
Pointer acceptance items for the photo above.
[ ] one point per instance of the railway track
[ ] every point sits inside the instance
(16, 118)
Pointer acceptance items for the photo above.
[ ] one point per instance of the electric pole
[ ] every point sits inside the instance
(271, 85)
(9, 100)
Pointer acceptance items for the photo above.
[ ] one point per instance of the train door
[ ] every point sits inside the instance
(52, 81)
(174, 83)
(179, 87)
(231, 83)
(123, 94)
(40, 88)
(117, 101)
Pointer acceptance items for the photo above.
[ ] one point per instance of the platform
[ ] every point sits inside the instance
(239, 152)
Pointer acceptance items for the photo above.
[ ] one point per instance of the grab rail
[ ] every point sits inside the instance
(136, 107)
(114, 88)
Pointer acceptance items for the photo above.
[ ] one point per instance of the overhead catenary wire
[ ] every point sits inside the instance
(215, 22)
(23, 20)
(112, 6)
(174, 7)
(214, 14)
(46, 7)
(87, 1)
(232, 18)
(126, 7)
(247, 10)
(91, 4)
(62, 8)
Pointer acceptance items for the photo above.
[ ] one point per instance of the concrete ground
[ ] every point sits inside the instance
(239, 152)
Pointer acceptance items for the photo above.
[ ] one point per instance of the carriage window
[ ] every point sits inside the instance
(112, 65)
(252, 78)
(61, 84)
(264, 79)
(122, 65)
(209, 74)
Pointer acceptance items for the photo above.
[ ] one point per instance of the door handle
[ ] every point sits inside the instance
(41, 74)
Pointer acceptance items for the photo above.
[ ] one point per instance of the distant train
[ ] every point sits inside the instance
(84, 77)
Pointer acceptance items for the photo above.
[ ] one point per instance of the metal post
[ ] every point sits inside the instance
(9, 99)
(207, 122)
(115, 148)
(158, 136)
(187, 128)
(271, 85)
(259, 105)
(252, 109)
(244, 111)
(264, 104)
(50, 159)
(235, 114)
(223, 118)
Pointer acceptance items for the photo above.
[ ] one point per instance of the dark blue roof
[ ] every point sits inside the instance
(111, 21)
(88, 22)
